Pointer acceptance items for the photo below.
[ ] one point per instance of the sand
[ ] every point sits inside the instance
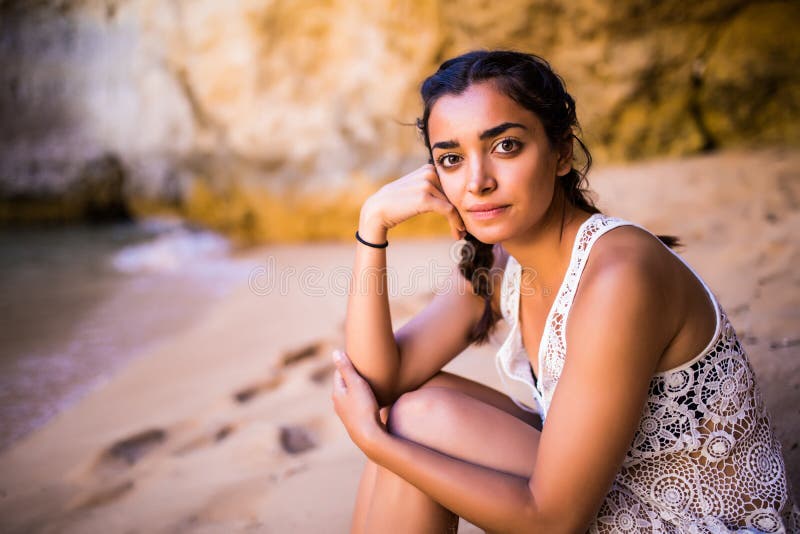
(227, 426)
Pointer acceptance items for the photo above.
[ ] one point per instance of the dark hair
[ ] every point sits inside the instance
(531, 82)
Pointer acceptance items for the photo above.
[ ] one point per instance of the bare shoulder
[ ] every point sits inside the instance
(629, 254)
(631, 241)
(630, 277)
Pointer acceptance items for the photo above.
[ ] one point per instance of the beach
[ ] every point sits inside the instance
(226, 424)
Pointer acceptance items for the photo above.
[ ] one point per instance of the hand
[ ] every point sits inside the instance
(417, 192)
(354, 403)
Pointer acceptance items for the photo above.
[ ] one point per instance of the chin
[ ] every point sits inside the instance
(490, 237)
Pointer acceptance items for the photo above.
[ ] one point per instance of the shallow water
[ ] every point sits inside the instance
(78, 302)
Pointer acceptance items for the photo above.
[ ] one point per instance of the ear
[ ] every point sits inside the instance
(564, 164)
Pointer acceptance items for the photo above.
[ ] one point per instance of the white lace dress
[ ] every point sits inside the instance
(704, 457)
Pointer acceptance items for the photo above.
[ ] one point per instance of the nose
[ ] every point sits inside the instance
(481, 177)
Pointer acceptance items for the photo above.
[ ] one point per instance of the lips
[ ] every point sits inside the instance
(485, 207)
(487, 211)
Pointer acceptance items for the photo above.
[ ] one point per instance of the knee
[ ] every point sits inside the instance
(417, 413)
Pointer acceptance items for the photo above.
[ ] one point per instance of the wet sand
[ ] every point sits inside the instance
(80, 301)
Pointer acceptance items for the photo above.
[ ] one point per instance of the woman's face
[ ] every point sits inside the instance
(494, 162)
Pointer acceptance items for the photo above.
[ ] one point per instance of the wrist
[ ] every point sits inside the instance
(374, 442)
(370, 227)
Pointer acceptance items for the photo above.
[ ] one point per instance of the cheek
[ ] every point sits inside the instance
(449, 187)
(545, 187)
(533, 177)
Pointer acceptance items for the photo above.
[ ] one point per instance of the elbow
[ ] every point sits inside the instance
(385, 399)
(384, 392)
(380, 372)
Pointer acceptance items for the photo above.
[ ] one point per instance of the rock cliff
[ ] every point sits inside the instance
(260, 117)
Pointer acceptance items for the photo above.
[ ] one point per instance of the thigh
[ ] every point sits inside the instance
(483, 393)
(462, 426)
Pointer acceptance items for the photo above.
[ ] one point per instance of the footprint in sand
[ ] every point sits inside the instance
(296, 439)
(109, 472)
(248, 393)
(205, 439)
(104, 495)
(131, 449)
(321, 374)
(304, 353)
(293, 470)
(289, 359)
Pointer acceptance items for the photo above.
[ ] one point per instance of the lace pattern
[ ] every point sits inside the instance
(704, 458)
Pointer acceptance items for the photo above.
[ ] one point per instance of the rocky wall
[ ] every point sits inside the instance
(218, 109)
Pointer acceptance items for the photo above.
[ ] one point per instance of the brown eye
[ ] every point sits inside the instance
(448, 160)
(507, 145)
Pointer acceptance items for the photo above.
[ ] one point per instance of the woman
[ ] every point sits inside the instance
(650, 417)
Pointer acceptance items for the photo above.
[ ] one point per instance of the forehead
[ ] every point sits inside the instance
(480, 107)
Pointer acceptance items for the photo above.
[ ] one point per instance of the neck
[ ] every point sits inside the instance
(545, 250)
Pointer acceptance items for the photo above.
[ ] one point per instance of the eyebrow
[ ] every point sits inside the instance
(491, 132)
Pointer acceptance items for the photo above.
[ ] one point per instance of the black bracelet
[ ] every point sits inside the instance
(373, 245)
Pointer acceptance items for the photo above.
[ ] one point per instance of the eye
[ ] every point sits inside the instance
(448, 160)
(507, 145)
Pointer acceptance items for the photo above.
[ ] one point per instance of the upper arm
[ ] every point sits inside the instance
(441, 331)
(615, 338)
(437, 334)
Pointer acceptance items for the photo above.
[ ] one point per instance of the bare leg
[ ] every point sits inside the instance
(427, 515)
(380, 491)
(366, 488)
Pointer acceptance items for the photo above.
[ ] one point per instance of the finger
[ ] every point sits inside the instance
(433, 177)
(440, 204)
(343, 365)
(457, 225)
(456, 222)
(339, 385)
(429, 171)
(351, 379)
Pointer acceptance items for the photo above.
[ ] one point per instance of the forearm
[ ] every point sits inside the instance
(369, 338)
(493, 500)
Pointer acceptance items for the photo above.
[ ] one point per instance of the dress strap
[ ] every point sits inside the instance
(603, 224)
(599, 225)
(593, 230)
